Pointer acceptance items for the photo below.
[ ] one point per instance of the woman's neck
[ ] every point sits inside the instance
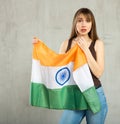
(86, 37)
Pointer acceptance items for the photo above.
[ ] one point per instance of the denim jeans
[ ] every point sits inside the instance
(76, 116)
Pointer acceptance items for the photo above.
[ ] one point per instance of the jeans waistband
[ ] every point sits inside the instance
(98, 86)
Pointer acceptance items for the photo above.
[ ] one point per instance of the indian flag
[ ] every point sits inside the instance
(62, 81)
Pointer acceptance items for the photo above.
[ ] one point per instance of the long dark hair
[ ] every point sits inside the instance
(92, 34)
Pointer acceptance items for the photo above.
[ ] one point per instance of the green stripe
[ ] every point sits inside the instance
(92, 99)
(68, 97)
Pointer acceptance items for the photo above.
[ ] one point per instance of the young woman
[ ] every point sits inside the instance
(85, 35)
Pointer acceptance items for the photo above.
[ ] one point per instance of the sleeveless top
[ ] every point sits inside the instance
(96, 81)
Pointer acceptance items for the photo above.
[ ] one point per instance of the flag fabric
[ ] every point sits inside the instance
(62, 81)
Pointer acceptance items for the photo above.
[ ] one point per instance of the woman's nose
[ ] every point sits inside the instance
(83, 23)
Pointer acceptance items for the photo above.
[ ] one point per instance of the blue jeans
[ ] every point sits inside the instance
(76, 116)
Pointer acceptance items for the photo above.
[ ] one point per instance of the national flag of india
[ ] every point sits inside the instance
(62, 81)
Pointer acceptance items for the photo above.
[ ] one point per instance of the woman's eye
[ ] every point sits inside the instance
(87, 20)
(79, 20)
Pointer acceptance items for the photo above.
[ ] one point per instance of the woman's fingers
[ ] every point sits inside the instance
(35, 40)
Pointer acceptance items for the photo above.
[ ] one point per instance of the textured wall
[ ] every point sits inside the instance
(50, 20)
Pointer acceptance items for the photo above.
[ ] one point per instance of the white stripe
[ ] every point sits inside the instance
(46, 75)
(83, 78)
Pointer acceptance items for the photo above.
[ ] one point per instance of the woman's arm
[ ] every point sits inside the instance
(96, 66)
(63, 47)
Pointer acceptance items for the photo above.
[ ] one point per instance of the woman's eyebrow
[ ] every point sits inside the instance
(79, 18)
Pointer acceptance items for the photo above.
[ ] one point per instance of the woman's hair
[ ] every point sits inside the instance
(93, 32)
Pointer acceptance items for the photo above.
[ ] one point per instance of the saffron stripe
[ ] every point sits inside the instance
(54, 59)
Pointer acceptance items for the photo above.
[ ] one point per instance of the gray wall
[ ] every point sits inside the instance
(50, 20)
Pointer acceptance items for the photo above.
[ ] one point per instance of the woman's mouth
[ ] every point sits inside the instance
(83, 30)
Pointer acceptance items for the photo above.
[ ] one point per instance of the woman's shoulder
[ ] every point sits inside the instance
(63, 46)
(99, 44)
(99, 41)
(65, 43)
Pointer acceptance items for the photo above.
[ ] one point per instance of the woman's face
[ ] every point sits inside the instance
(83, 25)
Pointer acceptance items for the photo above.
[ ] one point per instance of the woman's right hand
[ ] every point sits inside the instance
(35, 40)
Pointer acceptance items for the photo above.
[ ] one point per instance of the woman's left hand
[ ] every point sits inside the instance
(83, 44)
